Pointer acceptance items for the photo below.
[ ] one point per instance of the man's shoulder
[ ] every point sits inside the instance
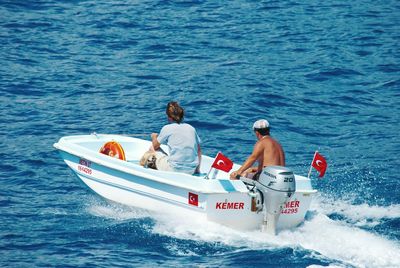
(176, 126)
(271, 142)
(170, 125)
(186, 126)
(167, 129)
(266, 141)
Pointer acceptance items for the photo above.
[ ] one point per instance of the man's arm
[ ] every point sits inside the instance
(199, 155)
(257, 152)
(154, 141)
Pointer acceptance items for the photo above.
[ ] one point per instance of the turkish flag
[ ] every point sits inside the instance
(222, 162)
(193, 199)
(319, 163)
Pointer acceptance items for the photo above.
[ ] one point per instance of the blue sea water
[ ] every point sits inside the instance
(326, 74)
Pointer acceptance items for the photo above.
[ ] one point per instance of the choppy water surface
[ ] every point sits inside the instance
(324, 73)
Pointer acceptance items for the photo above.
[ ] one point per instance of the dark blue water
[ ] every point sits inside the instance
(326, 74)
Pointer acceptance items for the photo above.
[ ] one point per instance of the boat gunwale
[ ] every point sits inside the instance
(121, 167)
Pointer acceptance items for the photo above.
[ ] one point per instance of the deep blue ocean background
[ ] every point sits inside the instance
(326, 74)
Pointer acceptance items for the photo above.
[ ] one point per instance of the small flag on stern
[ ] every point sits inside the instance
(222, 162)
(319, 163)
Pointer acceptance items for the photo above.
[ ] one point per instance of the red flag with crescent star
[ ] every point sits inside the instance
(193, 199)
(222, 162)
(319, 163)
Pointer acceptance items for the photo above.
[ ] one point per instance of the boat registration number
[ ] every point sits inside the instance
(289, 211)
(291, 207)
(85, 169)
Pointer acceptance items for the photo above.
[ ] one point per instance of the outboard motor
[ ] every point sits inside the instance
(277, 185)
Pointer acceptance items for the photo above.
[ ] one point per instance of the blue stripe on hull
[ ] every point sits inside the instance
(128, 189)
(118, 175)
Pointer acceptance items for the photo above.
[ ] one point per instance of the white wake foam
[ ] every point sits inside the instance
(115, 211)
(333, 240)
(339, 242)
(349, 244)
(360, 215)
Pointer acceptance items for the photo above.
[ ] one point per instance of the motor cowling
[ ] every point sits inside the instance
(277, 185)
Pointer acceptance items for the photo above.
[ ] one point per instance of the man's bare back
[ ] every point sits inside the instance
(272, 155)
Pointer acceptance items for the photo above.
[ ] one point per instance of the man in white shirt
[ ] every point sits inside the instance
(182, 141)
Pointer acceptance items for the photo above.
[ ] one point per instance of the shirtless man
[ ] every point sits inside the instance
(267, 151)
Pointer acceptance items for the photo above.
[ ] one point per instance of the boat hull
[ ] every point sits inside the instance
(219, 200)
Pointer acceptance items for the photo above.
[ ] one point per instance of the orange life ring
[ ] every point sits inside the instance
(113, 149)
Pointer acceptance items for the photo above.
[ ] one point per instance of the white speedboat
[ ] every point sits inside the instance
(278, 200)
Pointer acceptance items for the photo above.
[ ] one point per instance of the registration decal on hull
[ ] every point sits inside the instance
(84, 166)
(84, 162)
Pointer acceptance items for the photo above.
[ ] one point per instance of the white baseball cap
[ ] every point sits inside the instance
(259, 124)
